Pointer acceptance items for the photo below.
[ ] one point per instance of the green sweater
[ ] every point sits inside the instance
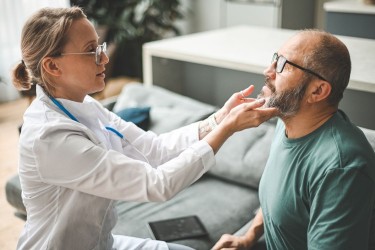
(318, 191)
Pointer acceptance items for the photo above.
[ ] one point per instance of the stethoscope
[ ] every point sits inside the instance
(113, 130)
(71, 116)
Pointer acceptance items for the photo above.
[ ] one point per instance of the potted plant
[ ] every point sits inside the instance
(131, 23)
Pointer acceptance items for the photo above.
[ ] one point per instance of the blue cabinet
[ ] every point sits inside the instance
(350, 19)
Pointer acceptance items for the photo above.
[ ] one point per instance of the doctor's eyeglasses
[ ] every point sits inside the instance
(281, 61)
(98, 53)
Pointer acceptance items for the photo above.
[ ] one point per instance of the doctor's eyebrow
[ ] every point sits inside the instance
(95, 42)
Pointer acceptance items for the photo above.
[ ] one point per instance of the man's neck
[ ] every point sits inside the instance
(307, 121)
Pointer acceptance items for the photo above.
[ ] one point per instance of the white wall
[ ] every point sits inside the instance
(13, 14)
(202, 15)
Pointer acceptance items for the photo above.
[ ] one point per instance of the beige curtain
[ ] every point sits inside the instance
(13, 14)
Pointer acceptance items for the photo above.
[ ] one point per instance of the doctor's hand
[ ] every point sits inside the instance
(238, 99)
(241, 116)
(247, 115)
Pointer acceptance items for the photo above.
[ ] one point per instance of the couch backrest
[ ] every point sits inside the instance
(243, 156)
(370, 135)
(168, 109)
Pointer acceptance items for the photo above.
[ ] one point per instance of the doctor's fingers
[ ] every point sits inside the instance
(246, 104)
(256, 117)
(238, 98)
(247, 118)
(243, 93)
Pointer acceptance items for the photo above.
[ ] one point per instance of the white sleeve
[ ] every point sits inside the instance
(157, 148)
(68, 157)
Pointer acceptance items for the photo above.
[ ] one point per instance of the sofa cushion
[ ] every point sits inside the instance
(168, 109)
(243, 156)
(221, 206)
(370, 135)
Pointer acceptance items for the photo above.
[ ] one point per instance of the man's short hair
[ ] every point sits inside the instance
(331, 59)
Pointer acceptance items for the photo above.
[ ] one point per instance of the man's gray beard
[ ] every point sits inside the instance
(288, 102)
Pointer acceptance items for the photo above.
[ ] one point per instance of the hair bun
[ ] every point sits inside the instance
(21, 77)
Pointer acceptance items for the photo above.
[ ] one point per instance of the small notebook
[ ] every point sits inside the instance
(177, 228)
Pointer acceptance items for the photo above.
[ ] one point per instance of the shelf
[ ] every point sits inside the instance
(349, 7)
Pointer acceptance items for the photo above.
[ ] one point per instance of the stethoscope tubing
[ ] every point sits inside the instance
(71, 116)
(113, 130)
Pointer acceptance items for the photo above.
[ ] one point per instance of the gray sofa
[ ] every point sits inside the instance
(225, 198)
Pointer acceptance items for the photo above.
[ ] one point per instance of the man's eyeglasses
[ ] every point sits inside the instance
(98, 53)
(281, 61)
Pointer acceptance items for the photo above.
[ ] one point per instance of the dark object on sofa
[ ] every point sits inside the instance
(178, 228)
(225, 199)
(140, 116)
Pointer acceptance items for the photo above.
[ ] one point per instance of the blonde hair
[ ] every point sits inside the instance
(44, 34)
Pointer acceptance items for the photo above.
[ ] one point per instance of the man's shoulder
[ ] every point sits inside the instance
(352, 145)
(347, 135)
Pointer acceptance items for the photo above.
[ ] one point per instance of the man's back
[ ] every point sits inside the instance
(318, 191)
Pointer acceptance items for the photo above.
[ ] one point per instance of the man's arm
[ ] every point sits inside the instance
(246, 241)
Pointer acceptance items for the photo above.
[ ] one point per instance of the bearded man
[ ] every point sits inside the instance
(318, 188)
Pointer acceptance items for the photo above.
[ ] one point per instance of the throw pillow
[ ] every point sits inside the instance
(140, 116)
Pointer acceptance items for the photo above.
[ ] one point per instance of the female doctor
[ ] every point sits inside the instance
(76, 157)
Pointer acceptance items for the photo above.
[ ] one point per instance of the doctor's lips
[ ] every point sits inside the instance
(101, 74)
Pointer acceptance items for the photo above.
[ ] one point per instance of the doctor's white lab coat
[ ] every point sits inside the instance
(71, 173)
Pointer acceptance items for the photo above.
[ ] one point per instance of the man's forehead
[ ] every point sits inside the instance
(298, 45)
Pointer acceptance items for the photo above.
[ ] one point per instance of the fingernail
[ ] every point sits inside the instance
(261, 100)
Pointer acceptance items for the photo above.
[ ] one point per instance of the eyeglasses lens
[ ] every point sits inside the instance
(99, 50)
(275, 58)
(280, 64)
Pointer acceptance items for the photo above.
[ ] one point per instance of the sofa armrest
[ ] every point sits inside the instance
(13, 194)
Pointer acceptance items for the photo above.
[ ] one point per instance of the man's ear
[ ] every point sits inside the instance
(319, 90)
(51, 66)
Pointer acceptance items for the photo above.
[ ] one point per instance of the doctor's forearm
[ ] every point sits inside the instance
(217, 137)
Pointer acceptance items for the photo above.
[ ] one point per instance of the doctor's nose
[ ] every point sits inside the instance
(104, 59)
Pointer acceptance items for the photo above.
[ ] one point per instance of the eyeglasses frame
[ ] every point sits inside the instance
(276, 57)
(98, 53)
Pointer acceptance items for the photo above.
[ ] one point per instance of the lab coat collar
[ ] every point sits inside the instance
(88, 113)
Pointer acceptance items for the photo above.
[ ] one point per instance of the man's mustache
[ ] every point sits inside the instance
(269, 85)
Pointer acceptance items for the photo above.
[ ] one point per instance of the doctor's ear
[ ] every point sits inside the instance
(51, 66)
(319, 90)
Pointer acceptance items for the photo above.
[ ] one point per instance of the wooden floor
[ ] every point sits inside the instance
(10, 118)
